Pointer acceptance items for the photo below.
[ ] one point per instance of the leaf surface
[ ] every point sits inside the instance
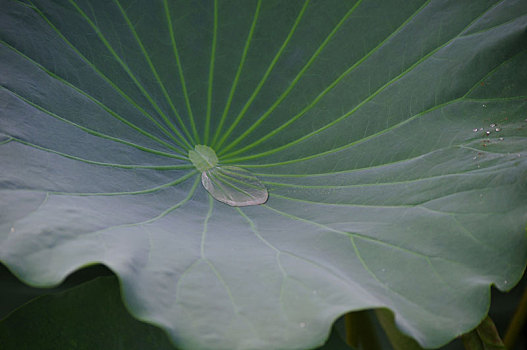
(390, 137)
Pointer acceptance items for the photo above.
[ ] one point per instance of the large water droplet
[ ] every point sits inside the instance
(228, 184)
(234, 186)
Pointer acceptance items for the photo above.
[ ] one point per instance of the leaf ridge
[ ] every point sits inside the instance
(325, 91)
(93, 132)
(180, 72)
(228, 159)
(264, 78)
(295, 80)
(238, 72)
(211, 73)
(180, 139)
(104, 77)
(154, 72)
(96, 101)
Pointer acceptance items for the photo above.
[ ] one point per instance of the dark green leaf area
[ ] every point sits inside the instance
(90, 316)
(383, 141)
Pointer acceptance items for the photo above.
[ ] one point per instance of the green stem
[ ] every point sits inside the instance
(489, 335)
(484, 337)
(360, 331)
(471, 341)
(398, 340)
(517, 322)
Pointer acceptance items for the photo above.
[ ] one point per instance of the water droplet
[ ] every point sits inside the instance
(505, 282)
(302, 325)
(487, 133)
(484, 106)
(480, 129)
(12, 229)
(497, 129)
(501, 139)
(383, 270)
(492, 125)
(234, 186)
(475, 157)
(475, 129)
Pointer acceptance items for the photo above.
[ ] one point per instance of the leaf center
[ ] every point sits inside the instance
(203, 157)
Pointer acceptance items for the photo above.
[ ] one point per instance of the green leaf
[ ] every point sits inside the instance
(390, 138)
(88, 316)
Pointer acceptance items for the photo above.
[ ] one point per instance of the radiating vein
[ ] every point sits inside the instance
(3, 142)
(126, 193)
(205, 227)
(353, 110)
(103, 76)
(334, 150)
(208, 262)
(352, 234)
(211, 74)
(319, 96)
(219, 127)
(93, 132)
(299, 200)
(156, 75)
(180, 72)
(470, 172)
(180, 139)
(114, 165)
(294, 82)
(264, 78)
(162, 214)
(96, 101)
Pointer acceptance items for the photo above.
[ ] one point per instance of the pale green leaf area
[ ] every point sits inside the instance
(391, 137)
(203, 158)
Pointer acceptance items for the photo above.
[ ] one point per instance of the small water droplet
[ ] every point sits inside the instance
(497, 129)
(487, 133)
(383, 270)
(475, 129)
(492, 125)
(505, 282)
(12, 229)
(501, 139)
(484, 106)
(480, 129)
(302, 325)
(475, 157)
